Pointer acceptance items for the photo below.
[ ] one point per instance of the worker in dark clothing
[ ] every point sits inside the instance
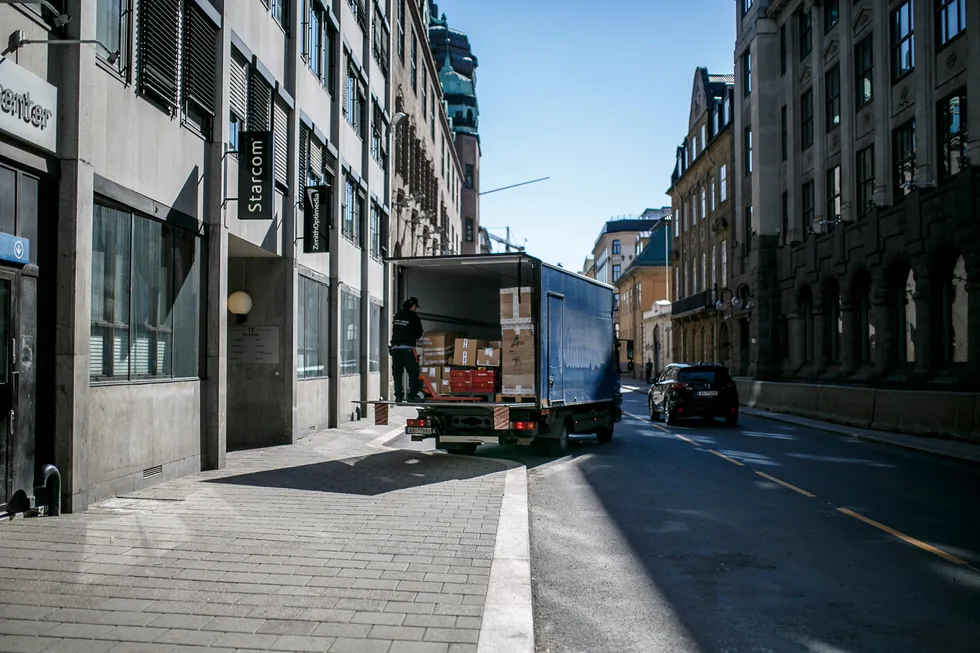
(406, 329)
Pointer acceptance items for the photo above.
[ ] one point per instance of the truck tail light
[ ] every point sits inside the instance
(523, 426)
(417, 423)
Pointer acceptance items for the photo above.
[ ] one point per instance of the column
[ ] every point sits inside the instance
(819, 332)
(850, 337)
(973, 83)
(882, 102)
(886, 337)
(74, 269)
(924, 320)
(924, 18)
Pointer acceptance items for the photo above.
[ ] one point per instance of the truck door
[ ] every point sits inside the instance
(555, 353)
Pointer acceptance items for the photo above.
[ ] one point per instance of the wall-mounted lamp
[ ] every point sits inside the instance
(240, 302)
(738, 300)
(17, 40)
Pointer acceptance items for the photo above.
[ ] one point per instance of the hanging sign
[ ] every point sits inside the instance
(316, 220)
(256, 189)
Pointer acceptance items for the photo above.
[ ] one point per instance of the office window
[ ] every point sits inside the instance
(314, 38)
(806, 120)
(748, 150)
(831, 14)
(617, 247)
(401, 30)
(617, 271)
(280, 140)
(380, 37)
(280, 13)
(952, 19)
(425, 91)
(414, 62)
(312, 329)
(903, 40)
(723, 182)
(714, 194)
(864, 69)
(832, 89)
(158, 42)
(903, 152)
(865, 179)
(146, 298)
(951, 133)
(238, 71)
(350, 332)
(112, 29)
(806, 33)
(833, 197)
(351, 89)
(375, 231)
(379, 137)
(808, 207)
(747, 73)
(746, 5)
(784, 131)
(353, 212)
(374, 337)
(329, 76)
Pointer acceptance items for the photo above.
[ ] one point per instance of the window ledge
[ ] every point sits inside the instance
(121, 75)
(149, 381)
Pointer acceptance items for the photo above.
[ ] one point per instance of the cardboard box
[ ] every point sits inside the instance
(488, 355)
(518, 385)
(433, 374)
(465, 352)
(445, 387)
(438, 339)
(514, 305)
(518, 363)
(437, 357)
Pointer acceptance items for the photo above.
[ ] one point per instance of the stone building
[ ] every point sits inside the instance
(857, 191)
(428, 181)
(198, 211)
(700, 192)
(457, 71)
(644, 282)
(658, 336)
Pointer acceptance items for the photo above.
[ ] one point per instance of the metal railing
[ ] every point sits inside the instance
(696, 302)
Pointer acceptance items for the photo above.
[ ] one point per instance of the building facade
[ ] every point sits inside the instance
(700, 193)
(214, 180)
(857, 192)
(658, 333)
(644, 283)
(428, 181)
(457, 71)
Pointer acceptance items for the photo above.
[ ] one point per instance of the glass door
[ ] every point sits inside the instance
(7, 389)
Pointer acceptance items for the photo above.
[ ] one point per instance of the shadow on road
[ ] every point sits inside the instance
(369, 475)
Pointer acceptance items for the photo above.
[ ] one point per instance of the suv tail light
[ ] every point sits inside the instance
(417, 423)
(678, 386)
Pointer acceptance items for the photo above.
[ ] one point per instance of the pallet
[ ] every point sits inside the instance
(519, 399)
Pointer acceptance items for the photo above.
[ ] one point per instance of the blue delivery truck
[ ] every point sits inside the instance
(549, 340)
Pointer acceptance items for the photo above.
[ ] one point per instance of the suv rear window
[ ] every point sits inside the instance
(704, 376)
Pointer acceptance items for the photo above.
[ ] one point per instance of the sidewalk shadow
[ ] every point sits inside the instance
(369, 475)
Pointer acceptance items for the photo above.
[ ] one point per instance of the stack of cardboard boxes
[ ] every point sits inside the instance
(518, 362)
(456, 365)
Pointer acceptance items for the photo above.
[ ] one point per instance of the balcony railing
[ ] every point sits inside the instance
(696, 302)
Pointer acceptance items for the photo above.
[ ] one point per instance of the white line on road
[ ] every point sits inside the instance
(508, 616)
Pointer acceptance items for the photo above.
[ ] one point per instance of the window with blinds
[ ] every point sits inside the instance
(159, 37)
(238, 83)
(311, 158)
(280, 138)
(259, 102)
(199, 68)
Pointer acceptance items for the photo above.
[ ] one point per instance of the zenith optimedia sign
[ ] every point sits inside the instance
(316, 234)
(256, 189)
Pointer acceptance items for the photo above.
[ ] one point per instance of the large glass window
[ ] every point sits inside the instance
(806, 120)
(833, 196)
(951, 133)
(146, 298)
(806, 33)
(865, 179)
(312, 329)
(374, 344)
(903, 151)
(350, 333)
(864, 70)
(903, 40)
(833, 97)
(112, 28)
(952, 19)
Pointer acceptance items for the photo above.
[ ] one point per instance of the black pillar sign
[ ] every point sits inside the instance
(316, 232)
(256, 175)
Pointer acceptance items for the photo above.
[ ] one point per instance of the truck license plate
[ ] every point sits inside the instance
(415, 430)
(708, 393)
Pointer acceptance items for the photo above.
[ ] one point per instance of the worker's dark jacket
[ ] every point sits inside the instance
(406, 328)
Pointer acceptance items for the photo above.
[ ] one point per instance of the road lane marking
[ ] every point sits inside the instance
(721, 455)
(786, 485)
(685, 439)
(906, 538)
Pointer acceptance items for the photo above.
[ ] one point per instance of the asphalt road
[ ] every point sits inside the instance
(671, 539)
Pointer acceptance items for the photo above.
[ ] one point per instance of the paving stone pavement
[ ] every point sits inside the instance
(331, 544)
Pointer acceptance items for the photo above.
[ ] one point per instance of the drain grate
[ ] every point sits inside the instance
(150, 472)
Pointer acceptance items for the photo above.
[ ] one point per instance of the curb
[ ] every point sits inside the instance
(508, 611)
(883, 438)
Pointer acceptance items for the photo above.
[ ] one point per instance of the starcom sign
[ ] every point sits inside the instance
(316, 220)
(256, 174)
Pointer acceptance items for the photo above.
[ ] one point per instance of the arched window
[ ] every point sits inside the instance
(953, 313)
(834, 324)
(905, 321)
(806, 309)
(866, 325)
(617, 248)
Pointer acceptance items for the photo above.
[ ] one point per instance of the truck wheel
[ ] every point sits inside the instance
(461, 449)
(605, 434)
(559, 445)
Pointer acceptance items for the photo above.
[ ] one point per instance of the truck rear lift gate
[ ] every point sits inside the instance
(501, 412)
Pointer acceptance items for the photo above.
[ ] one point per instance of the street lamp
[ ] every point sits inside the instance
(667, 219)
(736, 301)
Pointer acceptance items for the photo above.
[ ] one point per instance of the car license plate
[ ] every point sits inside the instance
(708, 393)
(415, 430)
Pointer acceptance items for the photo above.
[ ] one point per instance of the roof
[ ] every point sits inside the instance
(656, 253)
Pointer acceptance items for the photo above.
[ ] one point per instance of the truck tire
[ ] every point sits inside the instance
(559, 446)
(605, 434)
(461, 449)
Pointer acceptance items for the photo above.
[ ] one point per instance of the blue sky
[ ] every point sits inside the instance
(595, 95)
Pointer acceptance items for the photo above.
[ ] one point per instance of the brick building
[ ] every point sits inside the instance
(700, 192)
(857, 191)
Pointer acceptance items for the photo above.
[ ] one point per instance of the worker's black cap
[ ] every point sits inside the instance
(410, 302)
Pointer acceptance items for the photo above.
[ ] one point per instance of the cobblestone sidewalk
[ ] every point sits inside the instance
(332, 544)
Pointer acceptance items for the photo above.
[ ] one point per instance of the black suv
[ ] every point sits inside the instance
(693, 390)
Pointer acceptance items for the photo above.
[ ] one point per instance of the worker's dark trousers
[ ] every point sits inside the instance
(402, 361)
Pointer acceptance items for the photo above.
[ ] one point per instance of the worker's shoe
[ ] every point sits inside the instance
(420, 396)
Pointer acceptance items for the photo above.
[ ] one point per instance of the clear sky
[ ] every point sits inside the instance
(594, 94)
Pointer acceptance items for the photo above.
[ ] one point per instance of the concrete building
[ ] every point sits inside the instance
(616, 247)
(644, 282)
(658, 336)
(457, 71)
(178, 306)
(857, 192)
(428, 181)
(700, 192)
